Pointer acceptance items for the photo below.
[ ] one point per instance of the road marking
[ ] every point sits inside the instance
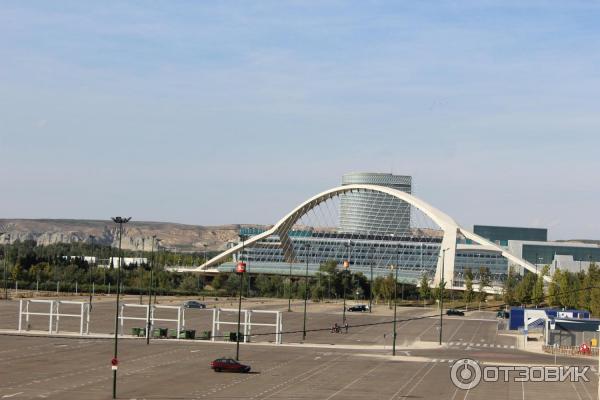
(512, 346)
(354, 381)
(6, 396)
(477, 344)
(485, 345)
(506, 346)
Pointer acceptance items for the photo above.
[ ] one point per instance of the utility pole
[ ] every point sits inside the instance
(149, 322)
(115, 361)
(5, 257)
(395, 304)
(240, 269)
(306, 249)
(347, 271)
(442, 284)
(92, 237)
(290, 289)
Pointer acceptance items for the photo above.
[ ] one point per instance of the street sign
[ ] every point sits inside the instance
(241, 267)
(114, 362)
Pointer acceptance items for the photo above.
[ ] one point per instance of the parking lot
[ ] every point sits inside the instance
(328, 366)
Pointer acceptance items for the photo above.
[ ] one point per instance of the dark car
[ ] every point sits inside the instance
(358, 307)
(228, 365)
(502, 314)
(193, 304)
(456, 312)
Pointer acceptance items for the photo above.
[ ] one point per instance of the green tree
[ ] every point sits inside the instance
(538, 288)
(554, 288)
(524, 289)
(189, 283)
(508, 291)
(469, 293)
(424, 289)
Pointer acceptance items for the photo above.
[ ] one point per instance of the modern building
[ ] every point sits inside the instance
(502, 234)
(532, 245)
(380, 226)
(364, 212)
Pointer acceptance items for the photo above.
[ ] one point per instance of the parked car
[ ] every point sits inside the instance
(502, 314)
(358, 307)
(193, 304)
(453, 311)
(228, 365)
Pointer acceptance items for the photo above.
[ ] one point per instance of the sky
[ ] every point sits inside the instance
(219, 112)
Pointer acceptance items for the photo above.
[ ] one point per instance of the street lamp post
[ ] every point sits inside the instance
(290, 289)
(5, 257)
(149, 322)
(442, 284)
(141, 271)
(346, 269)
(307, 249)
(395, 305)
(240, 269)
(92, 237)
(371, 290)
(120, 221)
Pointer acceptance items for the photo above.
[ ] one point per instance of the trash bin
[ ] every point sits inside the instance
(233, 337)
(206, 335)
(190, 334)
(142, 332)
(135, 331)
(172, 333)
(156, 333)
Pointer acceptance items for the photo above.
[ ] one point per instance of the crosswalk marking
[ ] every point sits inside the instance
(477, 344)
(485, 345)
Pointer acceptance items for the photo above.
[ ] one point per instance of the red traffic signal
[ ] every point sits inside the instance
(241, 267)
(114, 362)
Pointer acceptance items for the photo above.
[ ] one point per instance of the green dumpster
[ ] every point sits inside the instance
(156, 333)
(172, 333)
(206, 335)
(142, 332)
(233, 337)
(190, 334)
(135, 331)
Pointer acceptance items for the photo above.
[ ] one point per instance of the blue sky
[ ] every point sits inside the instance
(235, 111)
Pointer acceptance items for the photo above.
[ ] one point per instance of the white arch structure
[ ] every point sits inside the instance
(450, 228)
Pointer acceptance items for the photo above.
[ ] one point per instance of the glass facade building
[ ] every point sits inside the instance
(502, 234)
(375, 213)
(415, 256)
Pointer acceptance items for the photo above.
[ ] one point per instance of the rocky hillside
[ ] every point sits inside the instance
(137, 235)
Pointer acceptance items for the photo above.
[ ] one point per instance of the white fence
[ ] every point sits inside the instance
(180, 320)
(247, 322)
(54, 314)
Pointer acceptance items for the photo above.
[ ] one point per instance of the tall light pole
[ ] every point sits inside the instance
(120, 221)
(240, 269)
(149, 322)
(92, 237)
(395, 304)
(290, 289)
(306, 249)
(442, 284)
(5, 257)
(346, 269)
(371, 282)
(141, 271)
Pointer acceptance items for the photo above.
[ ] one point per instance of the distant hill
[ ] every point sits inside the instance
(137, 235)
